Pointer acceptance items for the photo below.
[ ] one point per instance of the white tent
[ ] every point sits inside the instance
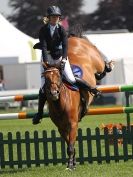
(15, 44)
(118, 47)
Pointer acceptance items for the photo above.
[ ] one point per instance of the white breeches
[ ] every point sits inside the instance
(67, 72)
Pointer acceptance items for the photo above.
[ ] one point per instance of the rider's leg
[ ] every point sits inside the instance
(79, 82)
(84, 85)
(41, 101)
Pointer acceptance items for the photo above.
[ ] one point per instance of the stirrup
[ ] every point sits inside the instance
(95, 92)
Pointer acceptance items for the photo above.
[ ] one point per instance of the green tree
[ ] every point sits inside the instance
(28, 14)
(111, 14)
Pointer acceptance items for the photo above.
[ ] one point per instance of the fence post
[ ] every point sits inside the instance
(2, 154)
(107, 151)
(89, 145)
(98, 145)
(36, 145)
(128, 114)
(80, 142)
(10, 150)
(54, 148)
(115, 141)
(28, 151)
(131, 138)
(45, 147)
(19, 151)
(125, 143)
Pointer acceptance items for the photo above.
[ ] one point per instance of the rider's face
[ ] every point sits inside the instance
(54, 19)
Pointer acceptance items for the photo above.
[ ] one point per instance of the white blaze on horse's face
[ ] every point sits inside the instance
(53, 82)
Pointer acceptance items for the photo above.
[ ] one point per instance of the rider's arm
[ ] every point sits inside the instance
(64, 43)
(43, 44)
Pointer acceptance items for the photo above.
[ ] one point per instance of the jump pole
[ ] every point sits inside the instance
(19, 97)
(113, 89)
(20, 115)
(97, 111)
(103, 89)
(113, 110)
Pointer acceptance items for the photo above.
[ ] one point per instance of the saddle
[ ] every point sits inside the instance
(78, 73)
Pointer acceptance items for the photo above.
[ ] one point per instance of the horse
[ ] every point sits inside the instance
(65, 105)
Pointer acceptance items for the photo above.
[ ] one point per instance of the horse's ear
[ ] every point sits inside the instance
(45, 64)
(103, 126)
(37, 46)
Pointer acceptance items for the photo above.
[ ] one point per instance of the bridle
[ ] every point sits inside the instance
(61, 87)
(58, 85)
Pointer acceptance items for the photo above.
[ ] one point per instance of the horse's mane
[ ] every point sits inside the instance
(77, 31)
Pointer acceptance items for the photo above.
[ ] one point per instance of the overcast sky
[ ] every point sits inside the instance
(89, 6)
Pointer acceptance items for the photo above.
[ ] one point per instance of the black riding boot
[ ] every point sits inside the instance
(41, 101)
(84, 85)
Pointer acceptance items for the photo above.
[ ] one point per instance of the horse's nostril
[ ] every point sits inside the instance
(54, 92)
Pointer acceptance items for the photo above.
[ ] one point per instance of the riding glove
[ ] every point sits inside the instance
(63, 62)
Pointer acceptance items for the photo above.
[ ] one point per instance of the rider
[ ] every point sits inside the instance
(53, 43)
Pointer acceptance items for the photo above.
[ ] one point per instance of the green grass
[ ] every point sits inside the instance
(121, 169)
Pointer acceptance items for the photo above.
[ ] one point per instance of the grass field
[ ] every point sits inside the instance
(121, 169)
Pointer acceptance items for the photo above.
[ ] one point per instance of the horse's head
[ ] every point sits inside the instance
(53, 82)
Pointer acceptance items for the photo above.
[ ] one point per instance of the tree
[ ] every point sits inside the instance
(28, 14)
(112, 14)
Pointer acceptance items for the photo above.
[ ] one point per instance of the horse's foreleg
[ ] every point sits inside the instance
(71, 149)
(71, 154)
(74, 159)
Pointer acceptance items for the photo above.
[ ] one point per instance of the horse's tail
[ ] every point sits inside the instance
(76, 31)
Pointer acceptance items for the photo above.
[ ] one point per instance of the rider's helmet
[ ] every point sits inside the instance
(53, 10)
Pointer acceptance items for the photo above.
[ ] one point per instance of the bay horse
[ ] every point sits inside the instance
(65, 105)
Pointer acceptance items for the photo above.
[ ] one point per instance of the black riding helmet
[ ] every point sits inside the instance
(53, 10)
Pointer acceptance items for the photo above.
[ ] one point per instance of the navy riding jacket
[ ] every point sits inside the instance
(55, 45)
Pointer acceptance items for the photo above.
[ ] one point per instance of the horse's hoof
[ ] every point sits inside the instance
(68, 169)
(71, 168)
(74, 167)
